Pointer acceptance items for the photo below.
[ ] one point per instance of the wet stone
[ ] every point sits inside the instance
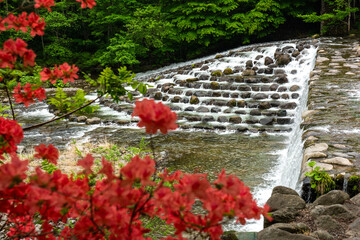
(202, 109)
(215, 110)
(226, 94)
(208, 101)
(248, 72)
(285, 96)
(185, 100)
(255, 112)
(244, 88)
(216, 94)
(290, 105)
(255, 88)
(282, 113)
(269, 71)
(281, 79)
(176, 99)
(252, 80)
(282, 89)
(258, 57)
(208, 119)
(222, 119)
(268, 61)
(165, 98)
(266, 80)
(234, 95)
(233, 87)
(203, 68)
(235, 119)
(264, 105)
(265, 88)
(189, 109)
(279, 71)
(194, 100)
(225, 87)
(231, 103)
(252, 121)
(294, 88)
(228, 110)
(246, 95)
(220, 103)
(249, 64)
(283, 121)
(275, 96)
(158, 96)
(293, 71)
(275, 104)
(261, 71)
(188, 93)
(252, 105)
(175, 108)
(274, 87)
(295, 96)
(193, 118)
(260, 96)
(241, 103)
(266, 121)
(240, 112)
(204, 76)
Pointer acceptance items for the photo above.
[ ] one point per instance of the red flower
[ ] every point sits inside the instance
(10, 134)
(69, 74)
(50, 153)
(27, 96)
(155, 116)
(87, 3)
(45, 4)
(139, 169)
(51, 75)
(36, 24)
(13, 172)
(86, 163)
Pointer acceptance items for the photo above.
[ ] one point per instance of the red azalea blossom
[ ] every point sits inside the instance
(155, 116)
(45, 4)
(10, 134)
(36, 24)
(50, 153)
(68, 72)
(87, 163)
(87, 3)
(27, 96)
(139, 169)
(51, 75)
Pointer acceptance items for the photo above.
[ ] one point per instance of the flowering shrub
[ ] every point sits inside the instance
(112, 207)
(101, 204)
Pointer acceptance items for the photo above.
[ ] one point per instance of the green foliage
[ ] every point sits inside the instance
(321, 182)
(337, 16)
(142, 150)
(114, 85)
(65, 104)
(4, 111)
(48, 167)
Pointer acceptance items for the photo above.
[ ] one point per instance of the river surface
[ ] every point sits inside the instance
(262, 159)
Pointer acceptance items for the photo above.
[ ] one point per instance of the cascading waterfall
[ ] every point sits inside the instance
(246, 120)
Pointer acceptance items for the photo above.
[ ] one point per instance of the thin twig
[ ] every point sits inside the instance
(11, 106)
(62, 116)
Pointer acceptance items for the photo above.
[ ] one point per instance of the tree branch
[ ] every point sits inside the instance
(62, 116)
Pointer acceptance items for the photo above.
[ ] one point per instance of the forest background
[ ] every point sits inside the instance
(147, 34)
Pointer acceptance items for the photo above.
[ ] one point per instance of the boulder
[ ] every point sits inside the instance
(248, 72)
(222, 119)
(194, 100)
(268, 61)
(337, 210)
(294, 88)
(278, 201)
(189, 109)
(202, 109)
(310, 155)
(235, 119)
(356, 199)
(259, 96)
(158, 96)
(249, 64)
(231, 103)
(81, 119)
(284, 190)
(281, 79)
(264, 105)
(322, 235)
(326, 222)
(192, 79)
(278, 234)
(291, 227)
(354, 228)
(338, 161)
(215, 110)
(269, 70)
(193, 118)
(275, 96)
(241, 103)
(266, 121)
(274, 87)
(319, 147)
(283, 60)
(94, 120)
(228, 71)
(289, 105)
(214, 85)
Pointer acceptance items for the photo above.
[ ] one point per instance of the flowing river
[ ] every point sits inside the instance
(246, 121)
